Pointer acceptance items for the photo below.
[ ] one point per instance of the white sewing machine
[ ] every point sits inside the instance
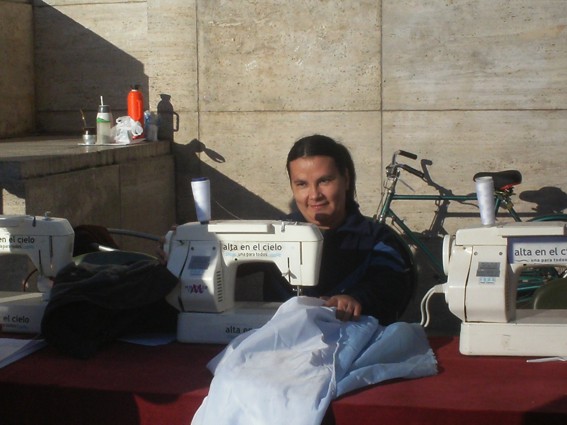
(48, 242)
(205, 257)
(483, 266)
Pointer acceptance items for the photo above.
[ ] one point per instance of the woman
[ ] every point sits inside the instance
(365, 269)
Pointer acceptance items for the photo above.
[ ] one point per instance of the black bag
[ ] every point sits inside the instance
(92, 305)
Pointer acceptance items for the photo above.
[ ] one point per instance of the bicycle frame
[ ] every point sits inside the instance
(385, 211)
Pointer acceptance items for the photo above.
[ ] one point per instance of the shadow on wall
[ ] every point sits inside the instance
(74, 67)
(168, 118)
(548, 200)
(229, 200)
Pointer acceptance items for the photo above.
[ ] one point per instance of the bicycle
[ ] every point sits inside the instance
(504, 183)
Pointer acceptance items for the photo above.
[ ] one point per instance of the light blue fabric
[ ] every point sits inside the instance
(288, 371)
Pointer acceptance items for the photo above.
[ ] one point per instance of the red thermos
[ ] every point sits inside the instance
(136, 106)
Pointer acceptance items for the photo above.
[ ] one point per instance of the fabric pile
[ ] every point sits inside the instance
(93, 305)
(289, 371)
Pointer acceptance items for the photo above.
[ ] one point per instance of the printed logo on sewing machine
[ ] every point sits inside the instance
(15, 319)
(256, 247)
(255, 250)
(196, 288)
(236, 330)
(538, 250)
(15, 241)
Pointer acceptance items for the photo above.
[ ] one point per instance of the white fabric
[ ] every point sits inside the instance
(288, 371)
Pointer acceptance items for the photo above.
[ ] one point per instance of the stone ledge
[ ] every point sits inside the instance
(123, 186)
(29, 157)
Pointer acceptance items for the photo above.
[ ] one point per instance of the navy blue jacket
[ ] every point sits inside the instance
(367, 261)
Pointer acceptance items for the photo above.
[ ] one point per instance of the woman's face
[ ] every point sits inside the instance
(319, 190)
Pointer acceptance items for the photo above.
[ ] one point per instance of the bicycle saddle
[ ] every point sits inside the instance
(502, 179)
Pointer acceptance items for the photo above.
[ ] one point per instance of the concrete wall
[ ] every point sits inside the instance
(17, 108)
(469, 85)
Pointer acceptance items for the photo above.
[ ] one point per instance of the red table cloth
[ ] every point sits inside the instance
(130, 384)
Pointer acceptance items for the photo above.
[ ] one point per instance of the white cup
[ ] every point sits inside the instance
(485, 195)
(201, 188)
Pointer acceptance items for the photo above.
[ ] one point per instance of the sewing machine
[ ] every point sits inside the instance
(48, 242)
(205, 258)
(483, 266)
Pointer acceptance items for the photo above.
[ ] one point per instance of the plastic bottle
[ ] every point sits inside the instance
(103, 125)
(136, 106)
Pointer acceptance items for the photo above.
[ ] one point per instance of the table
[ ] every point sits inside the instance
(129, 384)
(468, 390)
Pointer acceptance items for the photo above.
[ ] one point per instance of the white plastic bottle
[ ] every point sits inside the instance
(103, 125)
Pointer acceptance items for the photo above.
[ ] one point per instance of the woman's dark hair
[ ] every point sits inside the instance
(318, 145)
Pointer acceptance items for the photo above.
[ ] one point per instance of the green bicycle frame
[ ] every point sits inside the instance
(501, 201)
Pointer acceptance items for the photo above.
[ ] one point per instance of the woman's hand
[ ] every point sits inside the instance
(347, 307)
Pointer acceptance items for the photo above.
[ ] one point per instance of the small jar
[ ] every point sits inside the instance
(89, 135)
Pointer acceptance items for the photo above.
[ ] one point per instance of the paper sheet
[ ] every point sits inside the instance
(12, 349)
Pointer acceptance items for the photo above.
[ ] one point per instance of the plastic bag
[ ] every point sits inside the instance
(126, 129)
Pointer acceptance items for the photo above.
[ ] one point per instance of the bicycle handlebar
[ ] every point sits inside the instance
(412, 170)
(406, 154)
(406, 167)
